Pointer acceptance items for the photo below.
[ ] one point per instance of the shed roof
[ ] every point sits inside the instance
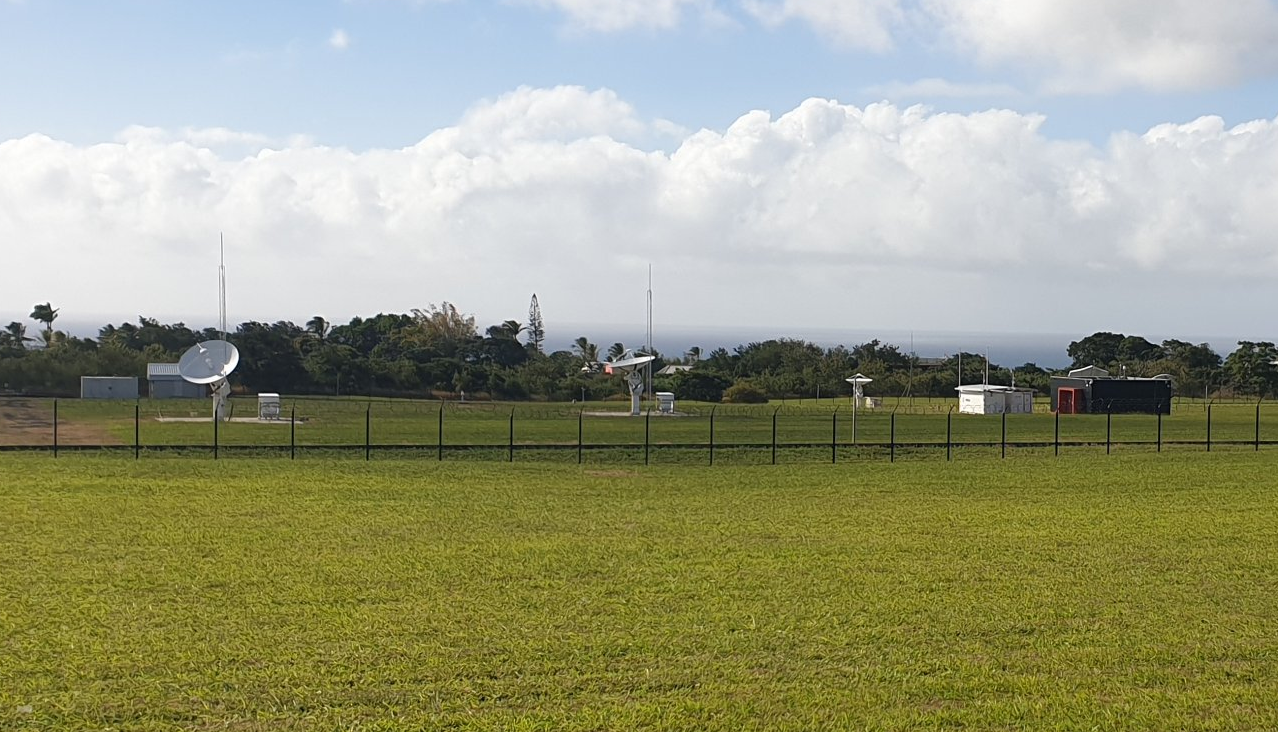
(986, 388)
(162, 370)
(1088, 372)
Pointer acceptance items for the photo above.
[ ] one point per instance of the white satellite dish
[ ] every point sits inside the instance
(210, 363)
(631, 365)
(858, 383)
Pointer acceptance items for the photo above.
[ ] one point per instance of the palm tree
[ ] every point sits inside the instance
(694, 354)
(46, 314)
(507, 329)
(587, 351)
(16, 334)
(615, 351)
(318, 327)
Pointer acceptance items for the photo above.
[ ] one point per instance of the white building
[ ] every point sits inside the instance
(992, 399)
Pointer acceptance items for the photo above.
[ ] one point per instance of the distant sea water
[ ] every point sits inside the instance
(1047, 350)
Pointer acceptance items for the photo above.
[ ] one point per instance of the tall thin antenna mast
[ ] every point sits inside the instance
(648, 368)
(221, 285)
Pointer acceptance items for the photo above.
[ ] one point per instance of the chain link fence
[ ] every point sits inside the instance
(602, 432)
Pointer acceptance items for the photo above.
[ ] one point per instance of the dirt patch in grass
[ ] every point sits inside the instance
(23, 422)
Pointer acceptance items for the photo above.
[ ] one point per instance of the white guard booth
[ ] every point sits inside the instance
(992, 399)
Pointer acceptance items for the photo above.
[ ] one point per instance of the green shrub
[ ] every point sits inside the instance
(744, 393)
(699, 386)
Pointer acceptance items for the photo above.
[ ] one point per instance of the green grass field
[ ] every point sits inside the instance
(1129, 592)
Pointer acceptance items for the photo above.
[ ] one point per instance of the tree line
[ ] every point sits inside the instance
(439, 352)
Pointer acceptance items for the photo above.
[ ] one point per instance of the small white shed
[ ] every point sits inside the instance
(993, 399)
(665, 402)
(268, 406)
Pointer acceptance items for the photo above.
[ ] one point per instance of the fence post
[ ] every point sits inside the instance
(949, 417)
(647, 419)
(892, 438)
(774, 435)
(1109, 415)
(441, 432)
(55, 427)
(712, 411)
(1004, 438)
(1056, 437)
(137, 430)
(834, 436)
(579, 413)
(292, 433)
(510, 446)
(215, 428)
(1160, 432)
(368, 432)
(1258, 401)
(1208, 428)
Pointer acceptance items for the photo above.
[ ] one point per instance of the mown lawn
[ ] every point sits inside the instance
(1134, 591)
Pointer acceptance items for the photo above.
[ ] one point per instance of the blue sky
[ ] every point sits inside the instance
(387, 154)
(83, 71)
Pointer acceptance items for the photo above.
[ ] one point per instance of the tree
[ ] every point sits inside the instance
(506, 329)
(1098, 349)
(693, 354)
(1251, 368)
(1193, 367)
(269, 359)
(699, 386)
(443, 324)
(744, 392)
(1136, 348)
(587, 352)
(500, 348)
(15, 335)
(536, 328)
(318, 328)
(615, 351)
(46, 314)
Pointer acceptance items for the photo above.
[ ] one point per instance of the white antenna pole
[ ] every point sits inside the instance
(648, 367)
(221, 284)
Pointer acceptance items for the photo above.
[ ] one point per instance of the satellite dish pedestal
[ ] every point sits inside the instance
(221, 392)
(210, 363)
(632, 366)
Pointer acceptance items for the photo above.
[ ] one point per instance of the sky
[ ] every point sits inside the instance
(782, 167)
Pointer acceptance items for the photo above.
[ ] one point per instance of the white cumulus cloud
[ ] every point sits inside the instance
(339, 40)
(1101, 45)
(904, 216)
(1081, 46)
